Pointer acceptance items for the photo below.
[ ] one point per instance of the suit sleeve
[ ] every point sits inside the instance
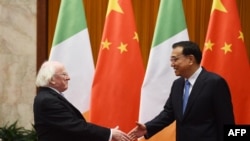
(163, 119)
(223, 105)
(59, 115)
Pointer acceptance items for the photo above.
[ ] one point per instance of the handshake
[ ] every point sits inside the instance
(136, 132)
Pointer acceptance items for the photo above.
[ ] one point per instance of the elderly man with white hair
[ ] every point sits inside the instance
(56, 119)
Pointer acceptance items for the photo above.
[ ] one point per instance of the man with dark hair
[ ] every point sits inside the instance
(199, 101)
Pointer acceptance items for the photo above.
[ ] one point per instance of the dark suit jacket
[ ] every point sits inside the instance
(58, 120)
(209, 108)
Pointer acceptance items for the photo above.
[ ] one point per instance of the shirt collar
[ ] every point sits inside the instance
(193, 78)
(55, 90)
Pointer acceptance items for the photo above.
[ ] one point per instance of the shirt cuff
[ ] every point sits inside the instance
(110, 136)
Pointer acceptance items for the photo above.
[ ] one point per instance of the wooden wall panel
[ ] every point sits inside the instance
(95, 16)
(145, 17)
(53, 9)
(197, 14)
(244, 11)
(42, 34)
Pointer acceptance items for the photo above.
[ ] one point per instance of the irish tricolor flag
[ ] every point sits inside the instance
(170, 28)
(71, 46)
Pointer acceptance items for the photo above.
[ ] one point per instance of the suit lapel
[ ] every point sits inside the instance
(179, 96)
(67, 103)
(71, 106)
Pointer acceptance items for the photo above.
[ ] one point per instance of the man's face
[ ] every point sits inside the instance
(179, 62)
(60, 79)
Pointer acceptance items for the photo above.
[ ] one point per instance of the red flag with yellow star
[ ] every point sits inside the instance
(225, 53)
(119, 70)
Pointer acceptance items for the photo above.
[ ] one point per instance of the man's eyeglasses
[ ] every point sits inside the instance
(64, 74)
(175, 58)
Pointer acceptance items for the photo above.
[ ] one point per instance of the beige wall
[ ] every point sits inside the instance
(17, 61)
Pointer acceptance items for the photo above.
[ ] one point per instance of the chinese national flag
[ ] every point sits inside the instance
(119, 70)
(225, 53)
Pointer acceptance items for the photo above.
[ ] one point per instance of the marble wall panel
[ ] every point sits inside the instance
(17, 61)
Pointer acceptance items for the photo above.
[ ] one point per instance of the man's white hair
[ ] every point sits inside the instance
(46, 72)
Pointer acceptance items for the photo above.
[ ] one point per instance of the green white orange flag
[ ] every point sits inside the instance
(71, 46)
(225, 53)
(170, 28)
(119, 70)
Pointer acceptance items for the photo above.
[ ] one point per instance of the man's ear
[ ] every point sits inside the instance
(191, 59)
(52, 82)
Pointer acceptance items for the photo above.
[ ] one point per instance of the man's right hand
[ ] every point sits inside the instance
(138, 131)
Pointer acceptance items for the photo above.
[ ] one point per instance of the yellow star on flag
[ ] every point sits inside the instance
(218, 5)
(241, 36)
(136, 37)
(209, 45)
(114, 5)
(227, 48)
(123, 48)
(105, 44)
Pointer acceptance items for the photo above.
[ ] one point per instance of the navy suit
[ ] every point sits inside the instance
(58, 120)
(209, 108)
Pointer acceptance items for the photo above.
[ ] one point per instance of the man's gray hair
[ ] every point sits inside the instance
(45, 74)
